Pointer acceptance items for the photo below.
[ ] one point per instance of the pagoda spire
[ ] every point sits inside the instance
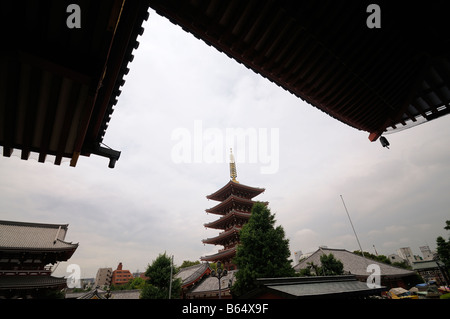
(233, 173)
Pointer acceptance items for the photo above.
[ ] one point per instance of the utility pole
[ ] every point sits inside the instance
(362, 252)
(170, 283)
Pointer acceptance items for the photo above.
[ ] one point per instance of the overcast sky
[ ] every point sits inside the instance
(182, 103)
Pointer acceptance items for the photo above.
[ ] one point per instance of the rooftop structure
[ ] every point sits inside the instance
(358, 266)
(59, 83)
(98, 293)
(375, 78)
(27, 253)
(317, 287)
(209, 287)
(192, 276)
(235, 205)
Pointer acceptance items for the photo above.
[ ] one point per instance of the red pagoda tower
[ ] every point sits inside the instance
(234, 208)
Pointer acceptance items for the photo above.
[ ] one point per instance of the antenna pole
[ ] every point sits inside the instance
(353, 227)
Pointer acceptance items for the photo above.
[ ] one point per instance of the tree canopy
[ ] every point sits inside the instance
(263, 250)
(330, 265)
(158, 284)
(188, 263)
(443, 247)
(382, 258)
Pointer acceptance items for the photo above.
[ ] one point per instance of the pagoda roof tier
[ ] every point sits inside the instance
(224, 220)
(221, 255)
(223, 236)
(232, 202)
(234, 188)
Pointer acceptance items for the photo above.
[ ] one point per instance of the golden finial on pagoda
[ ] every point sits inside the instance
(233, 173)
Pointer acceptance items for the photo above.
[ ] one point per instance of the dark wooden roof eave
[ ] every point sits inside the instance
(21, 282)
(60, 84)
(218, 224)
(70, 247)
(220, 255)
(325, 53)
(218, 209)
(121, 54)
(60, 254)
(234, 231)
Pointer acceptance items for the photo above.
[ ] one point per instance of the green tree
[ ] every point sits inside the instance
(443, 247)
(157, 286)
(307, 271)
(136, 283)
(188, 263)
(263, 250)
(380, 258)
(330, 265)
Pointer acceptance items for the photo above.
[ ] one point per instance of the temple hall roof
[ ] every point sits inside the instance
(374, 78)
(30, 282)
(353, 263)
(58, 84)
(189, 275)
(34, 236)
(210, 286)
(312, 287)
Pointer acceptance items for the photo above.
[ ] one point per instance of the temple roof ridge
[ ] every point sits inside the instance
(229, 201)
(221, 254)
(230, 186)
(231, 214)
(222, 235)
(36, 236)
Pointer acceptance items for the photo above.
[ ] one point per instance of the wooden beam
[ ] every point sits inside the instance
(92, 99)
(60, 62)
(7, 151)
(423, 64)
(118, 56)
(10, 108)
(55, 87)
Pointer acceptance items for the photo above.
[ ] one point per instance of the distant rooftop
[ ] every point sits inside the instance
(353, 263)
(210, 285)
(312, 287)
(193, 273)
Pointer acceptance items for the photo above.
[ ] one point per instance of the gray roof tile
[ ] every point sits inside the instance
(33, 235)
(353, 263)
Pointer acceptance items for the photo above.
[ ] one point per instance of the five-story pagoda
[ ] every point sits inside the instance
(234, 208)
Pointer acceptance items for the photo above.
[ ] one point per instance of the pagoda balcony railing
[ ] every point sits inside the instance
(25, 272)
(51, 267)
